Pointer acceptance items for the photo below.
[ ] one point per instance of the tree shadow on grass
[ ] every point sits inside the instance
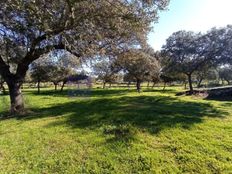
(98, 92)
(93, 92)
(222, 98)
(158, 89)
(151, 114)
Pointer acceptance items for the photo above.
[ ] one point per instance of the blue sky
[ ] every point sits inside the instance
(194, 15)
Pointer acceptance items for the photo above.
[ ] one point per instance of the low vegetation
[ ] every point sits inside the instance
(117, 131)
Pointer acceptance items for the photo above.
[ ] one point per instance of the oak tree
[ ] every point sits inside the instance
(32, 28)
(138, 64)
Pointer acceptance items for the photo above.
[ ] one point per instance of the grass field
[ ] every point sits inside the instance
(117, 131)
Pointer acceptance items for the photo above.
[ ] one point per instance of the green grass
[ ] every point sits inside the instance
(117, 131)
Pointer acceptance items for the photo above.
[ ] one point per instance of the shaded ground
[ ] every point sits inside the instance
(146, 112)
(222, 94)
(118, 131)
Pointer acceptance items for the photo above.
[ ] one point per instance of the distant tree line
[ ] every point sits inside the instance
(187, 57)
(196, 54)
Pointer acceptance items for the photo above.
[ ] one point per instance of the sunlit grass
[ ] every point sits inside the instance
(117, 131)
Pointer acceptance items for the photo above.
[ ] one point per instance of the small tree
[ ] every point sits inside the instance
(205, 73)
(201, 74)
(168, 78)
(185, 53)
(225, 73)
(104, 70)
(56, 67)
(138, 64)
(40, 73)
(59, 74)
(128, 78)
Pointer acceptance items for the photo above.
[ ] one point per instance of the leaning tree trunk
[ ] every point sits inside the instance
(199, 82)
(62, 87)
(138, 85)
(16, 97)
(190, 83)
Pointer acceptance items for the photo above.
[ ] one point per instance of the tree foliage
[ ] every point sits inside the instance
(188, 52)
(105, 71)
(55, 67)
(225, 73)
(139, 65)
(30, 29)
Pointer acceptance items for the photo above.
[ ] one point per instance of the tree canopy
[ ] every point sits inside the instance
(188, 52)
(139, 65)
(32, 28)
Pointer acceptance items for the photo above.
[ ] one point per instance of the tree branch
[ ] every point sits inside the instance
(36, 54)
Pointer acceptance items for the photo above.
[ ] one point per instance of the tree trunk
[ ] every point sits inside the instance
(38, 87)
(55, 84)
(138, 85)
(110, 85)
(62, 87)
(190, 83)
(199, 82)
(128, 84)
(164, 86)
(148, 84)
(16, 98)
(153, 85)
